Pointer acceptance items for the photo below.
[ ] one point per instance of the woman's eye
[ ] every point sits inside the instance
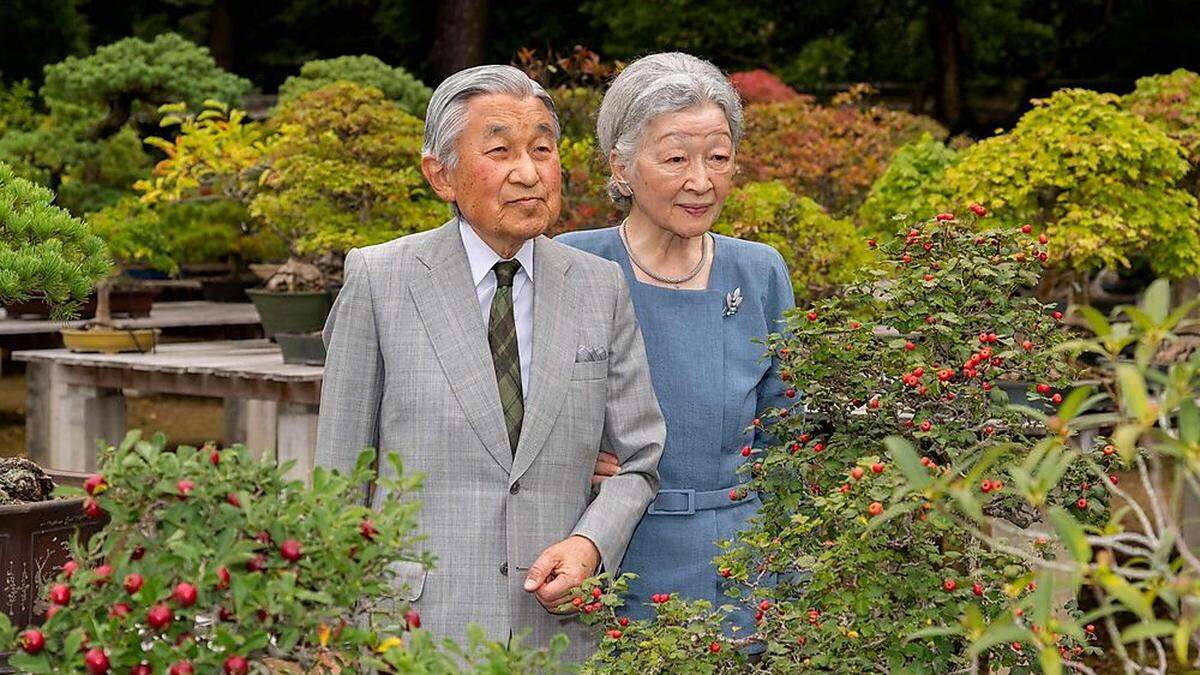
(498, 148)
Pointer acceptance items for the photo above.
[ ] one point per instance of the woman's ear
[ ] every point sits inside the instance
(617, 167)
(439, 178)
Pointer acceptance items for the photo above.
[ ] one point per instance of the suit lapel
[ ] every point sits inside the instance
(449, 309)
(553, 352)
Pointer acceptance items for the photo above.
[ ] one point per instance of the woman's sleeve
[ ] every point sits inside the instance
(778, 299)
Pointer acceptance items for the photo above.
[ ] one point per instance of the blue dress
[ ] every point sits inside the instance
(711, 380)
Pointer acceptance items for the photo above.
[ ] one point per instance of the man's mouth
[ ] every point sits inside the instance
(525, 201)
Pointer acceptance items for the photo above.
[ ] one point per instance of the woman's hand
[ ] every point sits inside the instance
(607, 466)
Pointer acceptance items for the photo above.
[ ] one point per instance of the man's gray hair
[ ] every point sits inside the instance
(656, 85)
(446, 116)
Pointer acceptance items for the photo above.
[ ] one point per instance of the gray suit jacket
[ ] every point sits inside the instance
(409, 371)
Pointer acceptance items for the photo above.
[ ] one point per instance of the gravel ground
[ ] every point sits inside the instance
(186, 420)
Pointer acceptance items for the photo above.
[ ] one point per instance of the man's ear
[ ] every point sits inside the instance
(438, 175)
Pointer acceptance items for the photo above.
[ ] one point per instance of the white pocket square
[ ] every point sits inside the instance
(585, 354)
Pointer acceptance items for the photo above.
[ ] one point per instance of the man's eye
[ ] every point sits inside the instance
(720, 158)
(676, 159)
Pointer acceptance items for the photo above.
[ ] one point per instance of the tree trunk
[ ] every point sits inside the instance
(458, 37)
(103, 305)
(220, 36)
(945, 38)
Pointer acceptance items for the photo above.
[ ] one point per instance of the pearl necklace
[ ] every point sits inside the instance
(650, 273)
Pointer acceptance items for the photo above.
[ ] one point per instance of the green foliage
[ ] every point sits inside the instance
(1141, 568)
(135, 235)
(912, 186)
(851, 565)
(221, 520)
(831, 154)
(44, 252)
(1103, 182)
(344, 172)
(16, 107)
(820, 60)
(396, 83)
(821, 251)
(586, 203)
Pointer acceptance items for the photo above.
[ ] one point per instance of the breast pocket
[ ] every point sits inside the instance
(590, 370)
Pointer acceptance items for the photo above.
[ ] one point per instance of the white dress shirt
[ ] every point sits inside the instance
(482, 258)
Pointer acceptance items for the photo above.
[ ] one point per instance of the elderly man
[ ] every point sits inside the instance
(497, 363)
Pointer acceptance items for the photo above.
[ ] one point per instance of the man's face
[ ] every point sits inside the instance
(508, 182)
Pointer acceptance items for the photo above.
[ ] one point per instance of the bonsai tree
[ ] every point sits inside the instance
(45, 253)
(397, 84)
(849, 566)
(1104, 184)
(1171, 102)
(88, 147)
(214, 562)
(1134, 408)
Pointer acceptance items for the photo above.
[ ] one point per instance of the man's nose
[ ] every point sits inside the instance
(524, 171)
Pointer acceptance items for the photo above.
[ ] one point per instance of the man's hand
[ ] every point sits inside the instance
(607, 466)
(560, 568)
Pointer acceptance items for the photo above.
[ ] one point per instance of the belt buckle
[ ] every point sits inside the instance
(691, 504)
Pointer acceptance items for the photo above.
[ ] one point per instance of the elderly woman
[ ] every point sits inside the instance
(670, 125)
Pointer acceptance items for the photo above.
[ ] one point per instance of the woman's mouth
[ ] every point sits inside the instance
(695, 210)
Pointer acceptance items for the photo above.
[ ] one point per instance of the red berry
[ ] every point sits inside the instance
(928, 277)
(60, 594)
(714, 647)
(978, 210)
(989, 430)
(367, 529)
(69, 568)
(1090, 628)
(120, 610)
(871, 242)
(877, 467)
(790, 393)
(181, 668)
(906, 258)
(138, 552)
(159, 617)
(977, 589)
(875, 508)
(94, 484)
(214, 457)
(1042, 239)
(1043, 389)
(184, 486)
(596, 593)
(412, 619)
(949, 584)
(103, 572)
(1026, 229)
(856, 473)
(812, 316)
(945, 216)
(1113, 479)
(290, 550)
(930, 320)
(91, 509)
(855, 325)
(257, 564)
(96, 661)
(909, 346)
(926, 425)
(236, 665)
(614, 634)
(184, 594)
(222, 577)
(133, 583)
(875, 403)
(985, 486)
(32, 641)
(624, 621)
(1027, 345)
(1082, 502)
(746, 451)
(818, 447)
(233, 500)
(1056, 399)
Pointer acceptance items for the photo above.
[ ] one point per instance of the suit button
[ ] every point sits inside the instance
(516, 487)
(504, 569)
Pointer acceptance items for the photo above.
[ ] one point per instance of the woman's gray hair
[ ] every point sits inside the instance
(656, 85)
(446, 116)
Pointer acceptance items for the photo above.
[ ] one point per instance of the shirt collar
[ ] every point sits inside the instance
(482, 258)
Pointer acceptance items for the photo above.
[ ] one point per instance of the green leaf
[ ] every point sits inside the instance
(1156, 301)
(937, 631)
(906, 458)
(1189, 422)
(1148, 629)
(1133, 391)
(1121, 590)
(1072, 535)
(1074, 402)
(1051, 661)
(1181, 638)
(997, 633)
(1094, 319)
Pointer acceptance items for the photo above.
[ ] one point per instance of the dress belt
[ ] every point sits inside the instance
(688, 502)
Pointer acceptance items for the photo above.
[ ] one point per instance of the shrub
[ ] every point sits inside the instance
(16, 107)
(913, 187)
(586, 204)
(1172, 103)
(760, 86)
(214, 555)
(344, 171)
(848, 565)
(822, 252)
(831, 154)
(575, 82)
(396, 83)
(44, 252)
(1102, 182)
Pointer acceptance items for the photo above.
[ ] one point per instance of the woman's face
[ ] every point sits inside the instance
(683, 170)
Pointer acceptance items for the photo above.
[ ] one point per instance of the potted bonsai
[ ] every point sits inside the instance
(215, 562)
(849, 567)
(334, 168)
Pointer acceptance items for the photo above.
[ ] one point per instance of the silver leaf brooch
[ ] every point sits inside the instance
(733, 301)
